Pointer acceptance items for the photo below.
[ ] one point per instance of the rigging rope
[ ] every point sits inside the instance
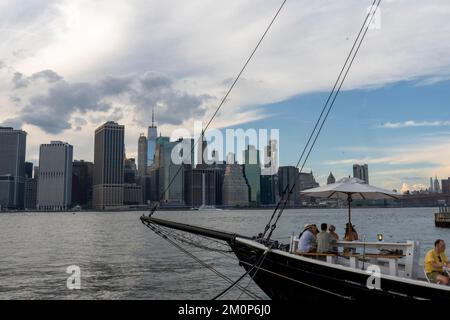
(155, 207)
(258, 262)
(327, 107)
(157, 230)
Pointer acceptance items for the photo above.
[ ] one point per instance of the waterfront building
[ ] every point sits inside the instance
(331, 179)
(171, 174)
(307, 181)
(142, 155)
(30, 194)
(12, 167)
(55, 176)
(29, 170)
(269, 189)
(145, 182)
(252, 174)
(431, 185)
(235, 189)
(130, 171)
(361, 172)
(445, 186)
(108, 177)
(82, 181)
(287, 177)
(132, 194)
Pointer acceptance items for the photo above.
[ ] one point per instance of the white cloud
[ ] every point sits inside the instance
(414, 187)
(412, 123)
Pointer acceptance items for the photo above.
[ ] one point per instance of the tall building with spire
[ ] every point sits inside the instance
(437, 187)
(152, 134)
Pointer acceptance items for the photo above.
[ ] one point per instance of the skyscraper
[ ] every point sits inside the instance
(437, 187)
(55, 176)
(331, 179)
(445, 186)
(28, 170)
(170, 174)
(82, 175)
(252, 173)
(269, 189)
(431, 185)
(12, 167)
(202, 156)
(152, 135)
(235, 189)
(307, 181)
(361, 172)
(108, 166)
(271, 158)
(30, 194)
(142, 155)
(287, 177)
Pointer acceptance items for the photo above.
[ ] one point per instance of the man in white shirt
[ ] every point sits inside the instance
(307, 239)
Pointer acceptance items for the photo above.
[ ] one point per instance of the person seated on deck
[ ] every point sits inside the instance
(332, 231)
(350, 235)
(435, 262)
(326, 243)
(307, 239)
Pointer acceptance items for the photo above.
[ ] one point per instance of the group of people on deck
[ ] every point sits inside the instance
(324, 241)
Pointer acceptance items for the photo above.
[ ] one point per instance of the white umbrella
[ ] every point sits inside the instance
(350, 188)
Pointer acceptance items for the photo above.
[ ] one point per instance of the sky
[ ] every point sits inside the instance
(66, 67)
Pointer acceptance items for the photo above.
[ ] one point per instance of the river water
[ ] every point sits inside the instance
(120, 258)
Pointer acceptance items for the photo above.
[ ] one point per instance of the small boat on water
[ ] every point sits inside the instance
(442, 219)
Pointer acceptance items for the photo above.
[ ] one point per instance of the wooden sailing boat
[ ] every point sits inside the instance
(284, 274)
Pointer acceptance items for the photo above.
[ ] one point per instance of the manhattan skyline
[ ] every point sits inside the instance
(68, 67)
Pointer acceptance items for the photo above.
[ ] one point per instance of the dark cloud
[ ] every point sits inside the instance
(12, 122)
(53, 110)
(19, 80)
(47, 75)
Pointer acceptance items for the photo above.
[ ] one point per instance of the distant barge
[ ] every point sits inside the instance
(442, 218)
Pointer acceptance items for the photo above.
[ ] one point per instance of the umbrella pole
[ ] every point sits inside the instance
(349, 200)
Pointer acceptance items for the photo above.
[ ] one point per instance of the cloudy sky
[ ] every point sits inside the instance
(68, 66)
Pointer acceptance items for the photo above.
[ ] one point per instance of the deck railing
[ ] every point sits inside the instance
(391, 252)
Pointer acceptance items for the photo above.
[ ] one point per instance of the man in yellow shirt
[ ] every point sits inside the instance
(435, 262)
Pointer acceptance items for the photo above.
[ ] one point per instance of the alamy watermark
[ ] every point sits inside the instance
(74, 281)
(250, 146)
(374, 280)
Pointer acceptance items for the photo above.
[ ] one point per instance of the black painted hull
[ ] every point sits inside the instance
(283, 277)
